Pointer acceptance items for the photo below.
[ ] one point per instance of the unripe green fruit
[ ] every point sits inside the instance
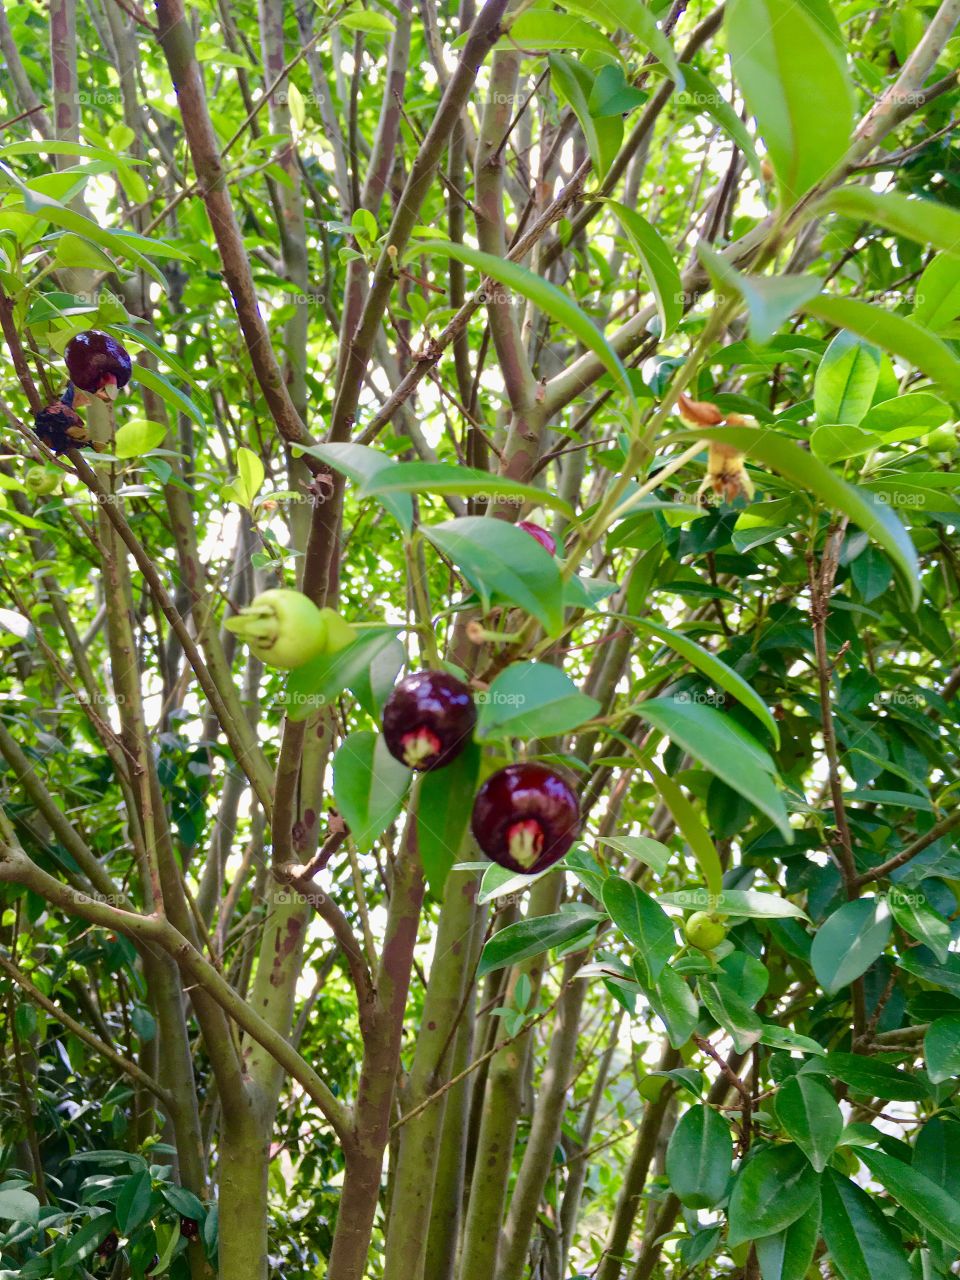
(285, 629)
(942, 440)
(41, 482)
(705, 930)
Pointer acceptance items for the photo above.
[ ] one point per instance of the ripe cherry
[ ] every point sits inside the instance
(546, 540)
(525, 817)
(428, 719)
(190, 1228)
(97, 362)
(109, 1245)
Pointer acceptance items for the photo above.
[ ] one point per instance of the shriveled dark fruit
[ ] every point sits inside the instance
(190, 1228)
(61, 428)
(546, 540)
(525, 817)
(428, 719)
(97, 362)
(109, 1245)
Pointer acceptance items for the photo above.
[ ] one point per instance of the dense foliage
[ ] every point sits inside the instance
(603, 355)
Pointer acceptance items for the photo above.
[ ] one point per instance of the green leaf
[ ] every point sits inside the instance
(368, 21)
(544, 28)
(633, 16)
(731, 1012)
(134, 439)
(19, 1206)
(915, 917)
(643, 921)
(369, 786)
(811, 1117)
(723, 747)
(849, 941)
(442, 817)
(551, 300)
(897, 334)
(443, 477)
(846, 380)
(873, 1078)
(937, 296)
(926, 221)
(675, 1005)
(532, 700)
(317, 683)
(774, 1188)
(699, 1156)
(743, 904)
(178, 400)
(83, 1242)
(658, 266)
(184, 1201)
(574, 85)
(361, 464)
(770, 300)
(941, 1048)
(643, 848)
(932, 1206)
(133, 1203)
(73, 251)
(691, 827)
(861, 1242)
(533, 937)
(789, 68)
(497, 558)
(701, 95)
(782, 455)
(788, 1254)
(784, 1038)
(716, 670)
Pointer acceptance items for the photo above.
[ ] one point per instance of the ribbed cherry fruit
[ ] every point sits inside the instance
(97, 362)
(60, 428)
(546, 540)
(428, 719)
(285, 629)
(189, 1227)
(525, 817)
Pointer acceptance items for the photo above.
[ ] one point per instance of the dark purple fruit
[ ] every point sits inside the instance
(428, 719)
(546, 540)
(190, 1228)
(95, 362)
(60, 428)
(109, 1245)
(525, 817)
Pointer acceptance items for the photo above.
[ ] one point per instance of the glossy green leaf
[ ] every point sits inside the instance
(770, 300)
(774, 1188)
(642, 921)
(788, 1254)
(361, 464)
(699, 1156)
(573, 83)
(716, 670)
(369, 786)
(849, 941)
(920, 921)
(700, 94)
(544, 28)
(675, 1004)
(941, 1048)
(693, 830)
(442, 817)
(658, 266)
(730, 1011)
(723, 747)
(871, 1077)
(811, 1116)
(899, 335)
(926, 221)
(846, 380)
(643, 848)
(633, 16)
(861, 1242)
(742, 904)
(319, 682)
(932, 1206)
(499, 559)
(532, 700)
(789, 68)
(534, 937)
(443, 477)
